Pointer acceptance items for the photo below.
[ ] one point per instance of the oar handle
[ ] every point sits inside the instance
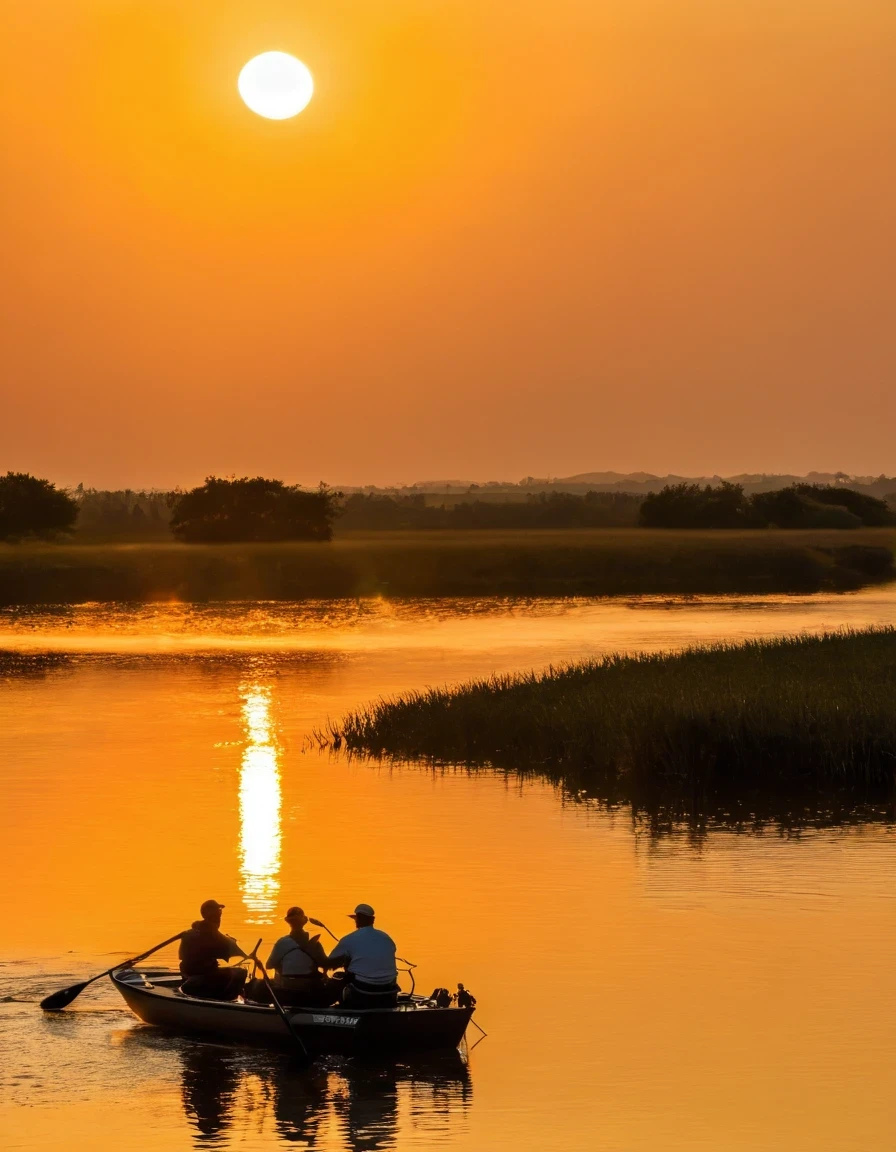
(137, 959)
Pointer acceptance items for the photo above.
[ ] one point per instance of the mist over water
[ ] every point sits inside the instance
(639, 991)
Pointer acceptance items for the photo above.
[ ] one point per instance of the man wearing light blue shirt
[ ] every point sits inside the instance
(368, 956)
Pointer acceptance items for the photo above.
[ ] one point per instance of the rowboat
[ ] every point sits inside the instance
(415, 1024)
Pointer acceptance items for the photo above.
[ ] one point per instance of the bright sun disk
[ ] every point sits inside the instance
(275, 85)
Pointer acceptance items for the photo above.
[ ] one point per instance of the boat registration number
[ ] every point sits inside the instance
(342, 1021)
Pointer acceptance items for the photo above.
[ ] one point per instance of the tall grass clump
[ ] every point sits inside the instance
(708, 722)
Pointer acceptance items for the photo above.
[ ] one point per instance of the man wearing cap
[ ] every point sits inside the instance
(297, 960)
(200, 950)
(368, 956)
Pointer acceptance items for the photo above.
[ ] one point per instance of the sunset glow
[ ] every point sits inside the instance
(650, 213)
(275, 85)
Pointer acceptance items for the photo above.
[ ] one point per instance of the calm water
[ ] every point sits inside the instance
(638, 993)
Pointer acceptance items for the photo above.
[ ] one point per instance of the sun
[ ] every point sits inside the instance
(275, 85)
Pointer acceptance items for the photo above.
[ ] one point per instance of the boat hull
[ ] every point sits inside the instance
(409, 1027)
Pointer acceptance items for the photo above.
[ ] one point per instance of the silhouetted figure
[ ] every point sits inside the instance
(297, 960)
(368, 956)
(201, 947)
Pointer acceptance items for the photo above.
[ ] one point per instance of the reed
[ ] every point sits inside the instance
(580, 562)
(694, 729)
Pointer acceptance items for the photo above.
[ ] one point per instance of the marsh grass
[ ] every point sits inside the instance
(581, 562)
(730, 728)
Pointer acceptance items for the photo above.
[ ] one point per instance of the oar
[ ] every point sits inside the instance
(59, 1000)
(283, 1015)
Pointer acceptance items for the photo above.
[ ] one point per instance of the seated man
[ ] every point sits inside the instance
(368, 956)
(200, 950)
(297, 960)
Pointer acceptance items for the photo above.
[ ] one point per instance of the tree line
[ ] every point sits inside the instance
(218, 511)
(796, 506)
(264, 510)
(374, 512)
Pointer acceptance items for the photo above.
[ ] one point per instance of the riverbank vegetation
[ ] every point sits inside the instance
(599, 562)
(718, 729)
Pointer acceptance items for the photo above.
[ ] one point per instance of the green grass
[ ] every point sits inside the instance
(478, 563)
(711, 730)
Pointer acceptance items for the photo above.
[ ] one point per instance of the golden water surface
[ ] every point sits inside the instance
(729, 992)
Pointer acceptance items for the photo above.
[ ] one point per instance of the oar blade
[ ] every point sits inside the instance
(59, 1000)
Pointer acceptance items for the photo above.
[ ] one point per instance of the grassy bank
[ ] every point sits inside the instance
(696, 731)
(544, 563)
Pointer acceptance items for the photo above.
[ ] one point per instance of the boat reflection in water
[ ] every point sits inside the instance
(260, 801)
(362, 1107)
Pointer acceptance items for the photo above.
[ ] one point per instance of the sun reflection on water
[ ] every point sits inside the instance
(260, 801)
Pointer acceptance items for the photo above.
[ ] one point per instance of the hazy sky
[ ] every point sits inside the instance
(505, 237)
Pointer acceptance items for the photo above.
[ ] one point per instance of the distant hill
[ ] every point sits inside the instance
(638, 483)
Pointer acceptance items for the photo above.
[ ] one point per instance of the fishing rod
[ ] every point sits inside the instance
(401, 959)
(320, 924)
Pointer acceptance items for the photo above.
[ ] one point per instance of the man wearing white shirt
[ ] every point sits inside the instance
(368, 956)
(297, 960)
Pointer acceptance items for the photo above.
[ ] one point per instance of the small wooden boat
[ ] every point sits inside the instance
(415, 1024)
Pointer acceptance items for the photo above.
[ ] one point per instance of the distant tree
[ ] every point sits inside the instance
(121, 515)
(872, 512)
(783, 508)
(820, 506)
(244, 510)
(796, 506)
(690, 506)
(363, 512)
(540, 510)
(33, 507)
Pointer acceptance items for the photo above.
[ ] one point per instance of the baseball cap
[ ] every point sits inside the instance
(208, 906)
(362, 910)
(294, 911)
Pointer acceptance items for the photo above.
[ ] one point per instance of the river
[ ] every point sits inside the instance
(732, 991)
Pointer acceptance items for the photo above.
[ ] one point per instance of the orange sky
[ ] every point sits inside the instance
(504, 238)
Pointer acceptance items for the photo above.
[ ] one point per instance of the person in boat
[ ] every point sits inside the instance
(297, 960)
(201, 947)
(368, 957)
